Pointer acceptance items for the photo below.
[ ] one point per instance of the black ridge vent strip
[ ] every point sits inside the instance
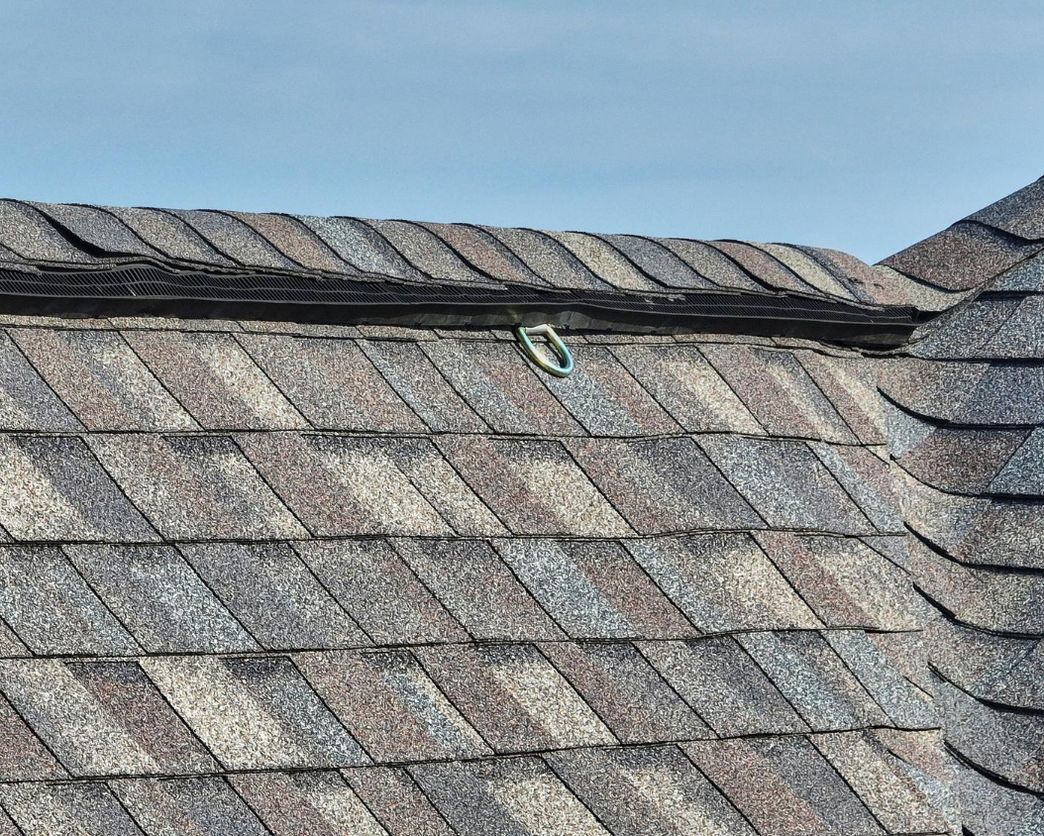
(150, 290)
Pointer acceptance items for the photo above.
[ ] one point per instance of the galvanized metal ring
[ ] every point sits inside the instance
(564, 367)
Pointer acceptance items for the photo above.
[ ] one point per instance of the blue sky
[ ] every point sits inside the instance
(863, 126)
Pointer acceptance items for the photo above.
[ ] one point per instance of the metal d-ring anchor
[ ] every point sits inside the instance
(564, 368)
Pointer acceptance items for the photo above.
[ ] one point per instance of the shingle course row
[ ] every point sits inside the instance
(200, 714)
(111, 600)
(866, 782)
(162, 380)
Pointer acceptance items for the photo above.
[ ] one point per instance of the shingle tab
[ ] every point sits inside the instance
(347, 485)
(474, 584)
(637, 791)
(1027, 275)
(534, 487)
(397, 801)
(500, 796)
(547, 258)
(844, 581)
(866, 477)
(1024, 471)
(786, 484)
(762, 266)
(965, 330)
(417, 380)
(23, 756)
(274, 595)
(629, 695)
(884, 663)
(809, 270)
(161, 600)
(331, 383)
(658, 261)
(235, 239)
(814, 679)
(724, 686)
(254, 713)
(783, 786)
(891, 789)
(515, 699)
(1022, 335)
(499, 383)
(103, 718)
(663, 485)
(25, 231)
(100, 378)
(52, 488)
(360, 246)
(294, 240)
(427, 252)
(195, 487)
(604, 260)
(709, 262)
(849, 385)
(1002, 743)
(43, 809)
(391, 705)
(606, 399)
(26, 401)
(1020, 213)
(779, 392)
(170, 235)
(215, 380)
(485, 252)
(380, 591)
(961, 257)
(51, 608)
(188, 805)
(723, 582)
(98, 228)
(951, 459)
(594, 590)
(306, 804)
(688, 387)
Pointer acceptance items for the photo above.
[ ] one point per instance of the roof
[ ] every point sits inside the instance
(276, 576)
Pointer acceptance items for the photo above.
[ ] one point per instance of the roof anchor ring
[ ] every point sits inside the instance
(564, 367)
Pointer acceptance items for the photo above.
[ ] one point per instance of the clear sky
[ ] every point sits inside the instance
(858, 125)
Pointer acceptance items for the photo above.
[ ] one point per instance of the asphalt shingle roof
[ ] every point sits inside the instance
(285, 577)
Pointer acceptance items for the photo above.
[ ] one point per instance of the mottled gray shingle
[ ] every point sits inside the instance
(785, 483)
(381, 593)
(254, 712)
(391, 706)
(26, 401)
(102, 380)
(643, 790)
(663, 485)
(724, 686)
(473, 583)
(513, 796)
(43, 809)
(195, 487)
(594, 590)
(274, 595)
(215, 380)
(188, 805)
(161, 600)
(52, 609)
(52, 488)
(331, 383)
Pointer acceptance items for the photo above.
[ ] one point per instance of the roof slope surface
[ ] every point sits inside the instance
(284, 578)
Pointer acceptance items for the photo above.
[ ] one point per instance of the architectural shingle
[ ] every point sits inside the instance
(330, 555)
